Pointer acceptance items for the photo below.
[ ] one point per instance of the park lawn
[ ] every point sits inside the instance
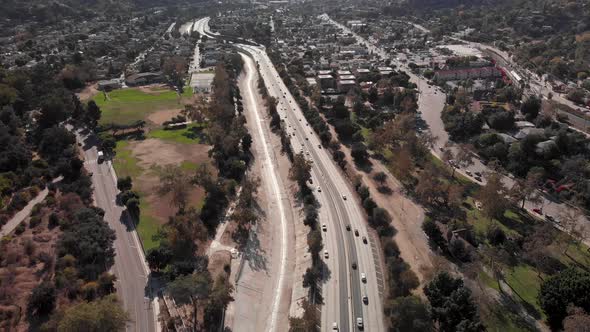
(125, 106)
(189, 165)
(501, 319)
(148, 226)
(188, 135)
(525, 283)
(124, 162)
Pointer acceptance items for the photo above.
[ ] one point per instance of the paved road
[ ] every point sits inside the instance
(334, 187)
(349, 248)
(133, 282)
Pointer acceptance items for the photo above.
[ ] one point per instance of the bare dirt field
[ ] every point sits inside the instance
(88, 92)
(159, 117)
(154, 153)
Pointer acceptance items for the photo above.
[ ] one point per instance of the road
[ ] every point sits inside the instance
(431, 102)
(338, 198)
(134, 286)
(344, 289)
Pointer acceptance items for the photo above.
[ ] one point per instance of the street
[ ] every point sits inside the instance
(133, 284)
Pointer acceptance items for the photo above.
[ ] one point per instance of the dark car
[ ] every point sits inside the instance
(365, 240)
(356, 232)
(348, 227)
(354, 265)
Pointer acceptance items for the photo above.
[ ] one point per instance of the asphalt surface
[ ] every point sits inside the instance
(344, 289)
(342, 212)
(134, 286)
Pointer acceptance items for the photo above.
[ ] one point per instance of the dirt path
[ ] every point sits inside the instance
(406, 214)
(266, 278)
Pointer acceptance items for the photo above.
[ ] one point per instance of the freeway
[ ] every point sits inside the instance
(339, 208)
(134, 285)
(339, 199)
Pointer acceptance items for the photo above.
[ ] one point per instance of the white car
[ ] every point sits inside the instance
(334, 326)
(319, 189)
(363, 277)
(359, 322)
(344, 197)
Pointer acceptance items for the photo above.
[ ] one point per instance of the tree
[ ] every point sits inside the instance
(531, 107)
(309, 322)
(175, 181)
(408, 313)
(42, 299)
(190, 289)
(434, 234)
(158, 258)
(359, 152)
(246, 142)
(575, 230)
(220, 297)
(452, 305)
(492, 196)
(380, 177)
(90, 242)
(300, 170)
(577, 320)
(570, 286)
(92, 115)
(124, 184)
(175, 69)
(103, 315)
(524, 190)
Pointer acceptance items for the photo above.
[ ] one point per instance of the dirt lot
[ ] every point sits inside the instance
(154, 153)
(88, 92)
(159, 117)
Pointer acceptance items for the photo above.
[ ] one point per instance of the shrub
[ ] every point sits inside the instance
(34, 221)
(20, 228)
(42, 299)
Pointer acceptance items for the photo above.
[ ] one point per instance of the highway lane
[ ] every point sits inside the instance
(133, 284)
(342, 212)
(348, 211)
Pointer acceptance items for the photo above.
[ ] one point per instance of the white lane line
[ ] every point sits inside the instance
(275, 185)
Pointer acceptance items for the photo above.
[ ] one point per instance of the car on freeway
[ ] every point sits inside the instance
(477, 174)
(326, 255)
(319, 146)
(538, 211)
(348, 227)
(468, 173)
(359, 323)
(365, 299)
(334, 326)
(354, 265)
(344, 197)
(319, 189)
(549, 218)
(324, 228)
(365, 240)
(363, 277)
(356, 232)
(478, 178)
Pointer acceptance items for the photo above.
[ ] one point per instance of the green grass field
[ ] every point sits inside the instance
(124, 162)
(125, 106)
(192, 134)
(148, 226)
